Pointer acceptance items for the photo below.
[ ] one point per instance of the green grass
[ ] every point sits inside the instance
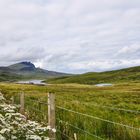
(4, 76)
(86, 99)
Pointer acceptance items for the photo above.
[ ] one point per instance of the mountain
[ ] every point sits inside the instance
(123, 75)
(26, 70)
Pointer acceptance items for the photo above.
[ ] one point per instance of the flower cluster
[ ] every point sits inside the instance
(14, 125)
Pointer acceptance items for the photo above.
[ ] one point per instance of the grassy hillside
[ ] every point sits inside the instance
(123, 75)
(6, 76)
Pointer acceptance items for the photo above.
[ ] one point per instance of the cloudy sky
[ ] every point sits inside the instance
(73, 36)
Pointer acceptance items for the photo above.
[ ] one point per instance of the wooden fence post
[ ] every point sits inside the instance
(51, 115)
(12, 100)
(22, 103)
(75, 136)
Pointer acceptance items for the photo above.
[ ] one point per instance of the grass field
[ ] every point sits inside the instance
(103, 102)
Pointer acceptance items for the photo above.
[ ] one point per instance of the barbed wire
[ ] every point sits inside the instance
(38, 101)
(118, 109)
(101, 106)
(97, 118)
(29, 107)
(80, 129)
(109, 107)
(65, 135)
(89, 116)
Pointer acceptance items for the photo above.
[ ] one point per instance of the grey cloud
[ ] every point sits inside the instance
(22, 54)
(102, 65)
(129, 52)
(73, 35)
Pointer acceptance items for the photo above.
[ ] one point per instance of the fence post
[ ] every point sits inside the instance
(51, 115)
(75, 136)
(12, 100)
(22, 103)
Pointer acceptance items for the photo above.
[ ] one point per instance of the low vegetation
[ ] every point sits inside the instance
(14, 125)
(101, 102)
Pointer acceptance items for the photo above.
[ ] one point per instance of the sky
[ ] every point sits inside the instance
(73, 36)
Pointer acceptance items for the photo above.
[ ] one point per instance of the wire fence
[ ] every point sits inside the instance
(75, 127)
(81, 125)
(111, 107)
(97, 118)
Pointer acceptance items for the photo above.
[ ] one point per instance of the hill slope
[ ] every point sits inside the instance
(128, 74)
(26, 70)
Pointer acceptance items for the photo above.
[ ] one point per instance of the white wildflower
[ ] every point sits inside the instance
(54, 130)
(15, 125)
(45, 138)
(1, 97)
(49, 127)
(13, 137)
(33, 137)
(3, 131)
(2, 138)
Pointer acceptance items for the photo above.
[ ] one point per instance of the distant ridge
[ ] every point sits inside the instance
(26, 70)
(122, 75)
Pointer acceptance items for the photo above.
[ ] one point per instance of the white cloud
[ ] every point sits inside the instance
(130, 49)
(103, 65)
(70, 35)
(129, 52)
